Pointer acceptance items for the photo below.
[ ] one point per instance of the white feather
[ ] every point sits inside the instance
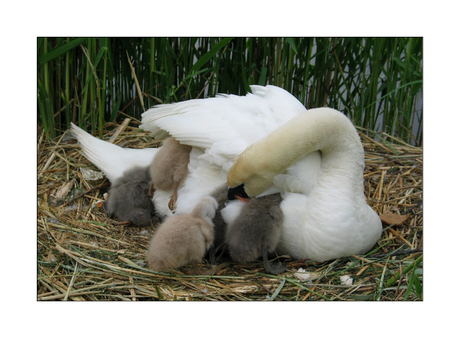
(113, 160)
(231, 211)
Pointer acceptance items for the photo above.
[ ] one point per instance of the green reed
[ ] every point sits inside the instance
(377, 82)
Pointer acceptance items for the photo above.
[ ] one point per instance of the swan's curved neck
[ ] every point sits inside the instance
(323, 129)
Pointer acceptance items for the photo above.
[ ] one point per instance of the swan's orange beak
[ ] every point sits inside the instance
(241, 198)
(238, 193)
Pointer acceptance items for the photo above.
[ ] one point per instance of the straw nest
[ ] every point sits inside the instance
(84, 255)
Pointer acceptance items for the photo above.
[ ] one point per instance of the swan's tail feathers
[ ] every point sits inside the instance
(113, 160)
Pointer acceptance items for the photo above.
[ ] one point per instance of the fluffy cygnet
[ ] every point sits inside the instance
(183, 239)
(256, 231)
(169, 167)
(220, 226)
(128, 200)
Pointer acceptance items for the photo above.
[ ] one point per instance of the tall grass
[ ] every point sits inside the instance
(377, 82)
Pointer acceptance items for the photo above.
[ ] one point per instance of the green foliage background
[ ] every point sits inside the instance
(377, 82)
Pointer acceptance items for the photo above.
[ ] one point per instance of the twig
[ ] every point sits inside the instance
(51, 158)
(395, 254)
(82, 194)
(391, 159)
(137, 82)
(71, 282)
(119, 130)
(411, 208)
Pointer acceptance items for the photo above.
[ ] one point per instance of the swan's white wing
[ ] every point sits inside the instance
(225, 125)
(113, 160)
(282, 103)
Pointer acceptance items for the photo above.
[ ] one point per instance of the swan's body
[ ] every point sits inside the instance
(333, 219)
(325, 212)
(324, 208)
(183, 239)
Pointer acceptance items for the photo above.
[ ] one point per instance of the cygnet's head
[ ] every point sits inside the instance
(205, 208)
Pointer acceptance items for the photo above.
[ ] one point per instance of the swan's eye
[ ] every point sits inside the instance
(237, 191)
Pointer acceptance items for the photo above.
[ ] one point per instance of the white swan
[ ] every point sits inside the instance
(333, 219)
(325, 212)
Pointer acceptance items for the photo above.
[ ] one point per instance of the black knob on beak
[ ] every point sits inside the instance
(237, 191)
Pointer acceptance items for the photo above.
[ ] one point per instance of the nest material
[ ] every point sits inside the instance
(84, 255)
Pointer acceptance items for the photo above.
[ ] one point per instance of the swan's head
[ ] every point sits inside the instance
(249, 176)
(237, 192)
(258, 164)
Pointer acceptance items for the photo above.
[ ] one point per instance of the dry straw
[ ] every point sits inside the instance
(84, 255)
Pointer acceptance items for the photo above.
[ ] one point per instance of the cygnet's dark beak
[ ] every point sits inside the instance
(237, 192)
(104, 207)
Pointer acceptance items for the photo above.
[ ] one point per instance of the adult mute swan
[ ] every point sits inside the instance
(333, 219)
(271, 144)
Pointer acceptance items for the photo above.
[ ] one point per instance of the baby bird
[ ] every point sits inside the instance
(128, 200)
(183, 239)
(220, 226)
(169, 168)
(256, 231)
